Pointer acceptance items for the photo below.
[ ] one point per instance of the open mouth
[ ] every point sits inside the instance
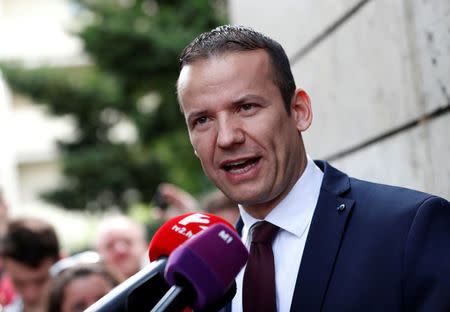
(241, 166)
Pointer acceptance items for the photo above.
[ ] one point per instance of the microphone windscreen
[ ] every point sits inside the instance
(179, 229)
(209, 261)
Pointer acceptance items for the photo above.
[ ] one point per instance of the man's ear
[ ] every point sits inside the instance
(301, 110)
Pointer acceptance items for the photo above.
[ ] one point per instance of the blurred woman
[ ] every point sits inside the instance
(78, 287)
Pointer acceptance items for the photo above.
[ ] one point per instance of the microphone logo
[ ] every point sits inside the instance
(182, 230)
(195, 218)
(225, 236)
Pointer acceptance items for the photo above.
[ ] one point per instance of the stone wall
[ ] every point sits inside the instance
(378, 74)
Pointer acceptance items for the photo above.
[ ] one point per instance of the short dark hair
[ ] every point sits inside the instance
(230, 38)
(30, 241)
(60, 282)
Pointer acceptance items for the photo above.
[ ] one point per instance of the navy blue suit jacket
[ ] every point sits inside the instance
(385, 249)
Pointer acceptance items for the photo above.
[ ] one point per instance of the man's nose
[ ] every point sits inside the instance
(120, 246)
(229, 132)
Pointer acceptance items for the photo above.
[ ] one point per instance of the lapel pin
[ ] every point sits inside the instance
(341, 208)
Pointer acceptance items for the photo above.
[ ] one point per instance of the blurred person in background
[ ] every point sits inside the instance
(122, 244)
(217, 203)
(76, 288)
(171, 201)
(29, 248)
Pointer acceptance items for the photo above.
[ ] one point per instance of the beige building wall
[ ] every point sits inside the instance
(378, 74)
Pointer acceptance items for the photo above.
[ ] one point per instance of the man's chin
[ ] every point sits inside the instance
(127, 272)
(248, 197)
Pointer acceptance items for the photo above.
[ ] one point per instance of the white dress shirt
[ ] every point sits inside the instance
(293, 216)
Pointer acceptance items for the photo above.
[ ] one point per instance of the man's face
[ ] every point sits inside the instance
(30, 283)
(247, 143)
(123, 248)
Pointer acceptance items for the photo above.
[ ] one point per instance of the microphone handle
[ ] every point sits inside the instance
(176, 299)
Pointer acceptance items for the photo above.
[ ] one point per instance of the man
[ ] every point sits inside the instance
(340, 244)
(121, 242)
(30, 247)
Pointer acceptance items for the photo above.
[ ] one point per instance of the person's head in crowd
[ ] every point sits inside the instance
(29, 248)
(84, 257)
(122, 244)
(78, 287)
(217, 203)
(244, 115)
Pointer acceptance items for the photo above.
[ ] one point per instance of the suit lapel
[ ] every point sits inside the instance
(323, 242)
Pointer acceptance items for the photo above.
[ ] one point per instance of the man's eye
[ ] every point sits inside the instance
(247, 106)
(201, 120)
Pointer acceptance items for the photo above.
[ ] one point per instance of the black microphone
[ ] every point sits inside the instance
(202, 270)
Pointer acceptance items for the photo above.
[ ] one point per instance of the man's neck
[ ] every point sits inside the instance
(261, 210)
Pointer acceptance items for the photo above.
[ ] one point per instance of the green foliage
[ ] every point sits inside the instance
(134, 46)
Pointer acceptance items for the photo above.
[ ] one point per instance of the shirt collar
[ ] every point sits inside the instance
(294, 212)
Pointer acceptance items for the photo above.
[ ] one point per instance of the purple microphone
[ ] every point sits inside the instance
(205, 266)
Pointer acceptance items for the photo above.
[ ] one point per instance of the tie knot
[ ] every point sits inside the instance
(264, 232)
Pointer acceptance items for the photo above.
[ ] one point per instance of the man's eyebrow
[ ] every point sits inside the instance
(196, 114)
(249, 98)
(244, 99)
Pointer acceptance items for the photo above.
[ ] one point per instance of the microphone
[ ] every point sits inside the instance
(143, 290)
(202, 270)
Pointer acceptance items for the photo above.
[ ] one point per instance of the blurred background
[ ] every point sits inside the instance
(89, 122)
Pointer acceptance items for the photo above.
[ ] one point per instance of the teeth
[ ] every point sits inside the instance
(241, 170)
(237, 163)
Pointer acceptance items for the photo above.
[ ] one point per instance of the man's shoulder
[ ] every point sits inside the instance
(377, 200)
(362, 189)
(359, 189)
(388, 204)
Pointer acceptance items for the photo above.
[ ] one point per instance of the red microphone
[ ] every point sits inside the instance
(178, 230)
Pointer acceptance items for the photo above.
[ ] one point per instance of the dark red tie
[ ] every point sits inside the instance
(258, 290)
